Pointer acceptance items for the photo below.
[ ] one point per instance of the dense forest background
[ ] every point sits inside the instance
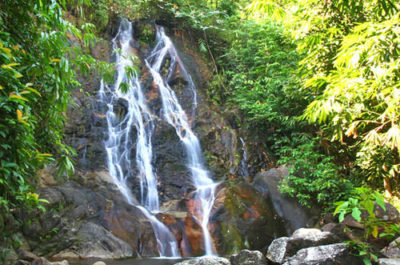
(317, 81)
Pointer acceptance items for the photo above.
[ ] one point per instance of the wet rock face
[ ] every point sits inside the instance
(88, 217)
(170, 163)
(86, 120)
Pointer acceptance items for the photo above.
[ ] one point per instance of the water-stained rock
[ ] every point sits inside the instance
(243, 217)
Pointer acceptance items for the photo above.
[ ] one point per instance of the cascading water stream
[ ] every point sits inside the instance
(243, 167)
(174, 114)
(119, 146)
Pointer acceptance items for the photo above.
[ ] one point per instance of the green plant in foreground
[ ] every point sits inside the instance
(360, 205)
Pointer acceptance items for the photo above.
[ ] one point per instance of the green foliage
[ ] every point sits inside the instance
(350, 78)
(38, 65)
(362, 199)
(260, 68)
(363, 250)
(361, 96)
(314, 179)
(361, 204)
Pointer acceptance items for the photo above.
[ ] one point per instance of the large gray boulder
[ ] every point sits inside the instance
(205, 261)
(248, 257)
(392, 250)
(389, 262)
(97, 242)
(288, 208)
(279, 250)
(324, 255)
(285, 247)
(312, 237)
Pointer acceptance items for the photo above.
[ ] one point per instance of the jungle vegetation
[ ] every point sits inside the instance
(318, 80)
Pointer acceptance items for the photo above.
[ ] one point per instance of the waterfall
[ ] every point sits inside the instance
(174, 114)
(119, 146)
(128, 115)
(243, 167)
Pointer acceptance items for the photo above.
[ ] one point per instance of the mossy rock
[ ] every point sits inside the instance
(232, 239)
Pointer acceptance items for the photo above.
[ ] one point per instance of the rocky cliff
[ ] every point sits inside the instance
(88, 217)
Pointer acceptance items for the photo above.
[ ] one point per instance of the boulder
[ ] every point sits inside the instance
(324, 255)
(291, 210)
(337, 229)
(244, 218)
(98, 242)
(285, 247)
(392, 250)
(41, 261)
(390, 214)
(389, 262)
(26, 255)
(248, 257)
(205, 261)
(279, 250)
(313, 237)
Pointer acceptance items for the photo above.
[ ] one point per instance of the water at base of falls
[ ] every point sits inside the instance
(119, 145)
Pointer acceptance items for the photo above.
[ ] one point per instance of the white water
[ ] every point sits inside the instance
(243, 167)
(119, 146)
(174, 114)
